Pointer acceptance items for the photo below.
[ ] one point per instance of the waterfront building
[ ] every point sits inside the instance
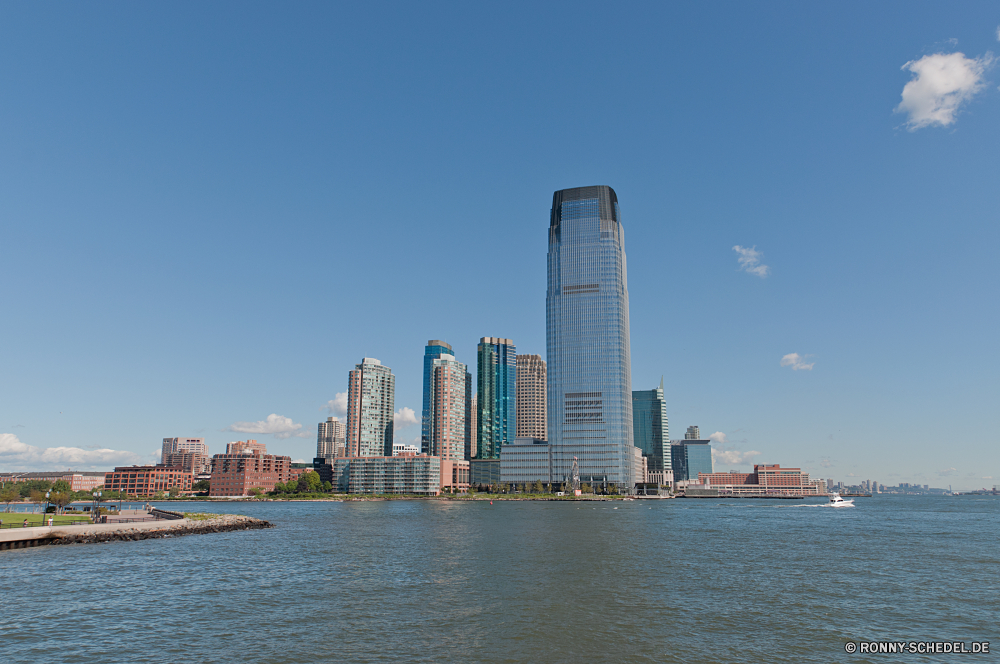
(693, 433)
(765, 480)
(331, 438)
(526, 460)
(484, 471)
(690, 457)
(434, 349)
(249, 446)
(147, 480)
(449, 408)
(238, 473)
(191, 454)
(649, 426)
(402, 449)
(473, 418)
(371, 393)
(587, 339)
(379, 475)
(78, 481)
(496, 362)
(531, 396)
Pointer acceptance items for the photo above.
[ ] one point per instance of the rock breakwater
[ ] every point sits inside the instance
(222, 523)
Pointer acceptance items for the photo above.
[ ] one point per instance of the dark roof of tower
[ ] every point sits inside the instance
(607, 201)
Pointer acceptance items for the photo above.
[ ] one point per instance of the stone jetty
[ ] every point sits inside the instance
(20, 538)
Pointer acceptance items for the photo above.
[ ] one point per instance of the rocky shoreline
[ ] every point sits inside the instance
(222, 523)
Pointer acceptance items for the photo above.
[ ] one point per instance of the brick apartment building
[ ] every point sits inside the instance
(84, 481)
(251, 468)
(766, 479)
(147, 480)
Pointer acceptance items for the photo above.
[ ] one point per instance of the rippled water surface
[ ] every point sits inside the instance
(643, 581)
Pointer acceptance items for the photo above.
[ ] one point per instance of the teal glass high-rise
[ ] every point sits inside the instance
(587, 338)
(496, 401)
(432, 351)
(649, 426)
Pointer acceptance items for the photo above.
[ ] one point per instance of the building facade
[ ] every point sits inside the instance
(238, 474)
(191, 454)
(371, 394)
(531, 397)
(496, 419)
(649, 426)
(473, 428)
(526, 460)
(434, 349)
(693, 433)
(147, 480)
(331, 437)
(449, 430)
(249, 446)
(402, 474)
(587, 338)
(691, 457)
(765, 480)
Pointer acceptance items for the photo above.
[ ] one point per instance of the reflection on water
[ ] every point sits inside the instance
(656, 581)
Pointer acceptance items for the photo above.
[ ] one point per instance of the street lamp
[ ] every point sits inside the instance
(96, 510)
(46, 507)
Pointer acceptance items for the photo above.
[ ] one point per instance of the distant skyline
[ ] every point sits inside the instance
(210, 214)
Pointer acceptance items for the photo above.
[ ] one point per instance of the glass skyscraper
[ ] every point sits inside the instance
(433, 350)
(690, 457)
(652, 435)
(496, 400)
(587, 338)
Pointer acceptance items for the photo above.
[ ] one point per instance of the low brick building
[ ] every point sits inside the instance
(238, 474)
(147, 480)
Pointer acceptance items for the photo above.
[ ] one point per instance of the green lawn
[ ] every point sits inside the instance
(17, 519)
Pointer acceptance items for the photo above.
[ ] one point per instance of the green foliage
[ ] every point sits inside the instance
(309, 482)
(538, 487)
(585, 487)
(327, 487)
(201, 485)
(33, 485)
(175, 491)
(61, 498)
(9, 495)
(62, 486)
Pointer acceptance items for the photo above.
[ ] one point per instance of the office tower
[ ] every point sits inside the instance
(433, 350)
(693, 433)
(496, 361)
(371, 394)
(587, 339)
(649, 422)
(331, 438)
(191, 454)
(473, 415)
(248, 446)
(690, 457)
(531, 417)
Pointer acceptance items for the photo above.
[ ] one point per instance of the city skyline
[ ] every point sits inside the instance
(810, 223)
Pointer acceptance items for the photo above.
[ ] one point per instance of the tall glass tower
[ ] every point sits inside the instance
(496, 401)
(587, 339)
(650, 427)
(433, 350)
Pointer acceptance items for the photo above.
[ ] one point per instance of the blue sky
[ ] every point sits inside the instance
(210, 213)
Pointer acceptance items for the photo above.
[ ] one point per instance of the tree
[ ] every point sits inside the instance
(9, 495)
(174, 491)
(61, 499)
(309, 482)
(256, 492)
(538, 487)
(201, 485)
(585, 488)
(62, 486)
(37, 498)
(33, 485)
(327, 487)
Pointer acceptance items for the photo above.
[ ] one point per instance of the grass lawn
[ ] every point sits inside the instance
(199, 516)
(17, 519)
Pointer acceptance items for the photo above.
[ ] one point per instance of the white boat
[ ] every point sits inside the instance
(837, 501)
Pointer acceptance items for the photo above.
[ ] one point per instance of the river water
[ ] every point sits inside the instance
(643, 581)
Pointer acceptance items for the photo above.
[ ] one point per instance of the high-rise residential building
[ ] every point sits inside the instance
(371, 394)
(690, 457)
(471, 452)
(693, 433)
(191, 454)
(531, 411)
(249, 446)
(649, 426)
(448, 419)
(496, 362)
(331, 438)
(587, 339)
(434, 349)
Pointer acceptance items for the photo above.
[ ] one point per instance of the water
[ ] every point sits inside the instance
(650, 581)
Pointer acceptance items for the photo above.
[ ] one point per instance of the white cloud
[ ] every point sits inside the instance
(404, 417)
(998, 33)
(278, 425)
(158, 454)
(941, 83)
(797, 362)
(749, 260)
(733, 457)
(16, 455)
(337, 405)
(945, 472)
(826, 463)
(718, 437)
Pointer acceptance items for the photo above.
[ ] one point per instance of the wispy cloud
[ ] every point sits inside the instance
(16, 455)
(337, 405)
(945, 472)
(277, 425)
(826, 463)
(941, 83)
(404, 417)
(733, 457)
(719, 437)
(797, 362)
(749, 260)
